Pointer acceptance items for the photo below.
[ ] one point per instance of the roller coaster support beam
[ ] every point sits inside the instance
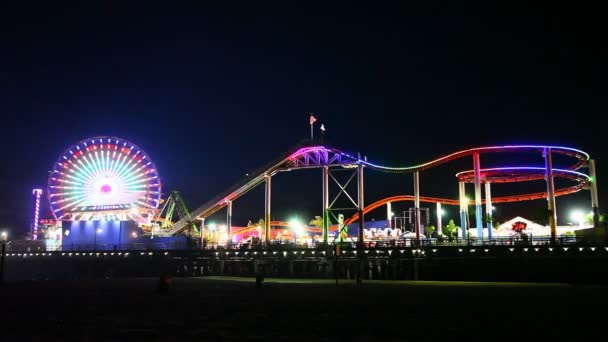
(229, 220)
(389, 214)
(267, 209)
(360, 208)
(463, 210)
(550, 194)
(202, 233)
(594, 196)
(325, 181)
(439, 230)
(489, 213)
(417, 204)
(478, 209)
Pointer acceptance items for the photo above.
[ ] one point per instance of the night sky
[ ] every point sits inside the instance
(212, 93)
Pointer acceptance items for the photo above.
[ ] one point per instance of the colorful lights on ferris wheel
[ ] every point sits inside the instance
(103, 174)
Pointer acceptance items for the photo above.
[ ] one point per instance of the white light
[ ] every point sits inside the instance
(493, 208)
(99, 230)
(550, 249)
(434, 251)
(441, 212)
(525, 249)
(578, 216)
(459, 249)
(472, 251)
(580, 249)
(274, 253)
(536, 249)
(392, 214)
(566, 249)
(150, 253)
(511, 249)
(592, 248)
(485, 250)
(297, 226)
(166, 253)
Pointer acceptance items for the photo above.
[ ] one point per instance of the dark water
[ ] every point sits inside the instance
(211, 310)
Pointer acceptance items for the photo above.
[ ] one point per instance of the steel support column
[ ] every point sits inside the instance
(417, 204)
(463, 210)
(489, 213)
(325, 181)
(229, 220)
(389, 214)
(360, 209)
(439, 230)
(595, 205)
(360, 202)
(478, 209)
(550, 194)
(267, 209)
(202, 233)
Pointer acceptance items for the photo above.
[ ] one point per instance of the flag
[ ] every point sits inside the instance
(312, 119)
(322, 128)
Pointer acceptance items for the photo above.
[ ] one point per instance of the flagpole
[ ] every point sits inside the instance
(311, 133)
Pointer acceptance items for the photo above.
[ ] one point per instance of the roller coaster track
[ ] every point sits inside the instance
(304, 157)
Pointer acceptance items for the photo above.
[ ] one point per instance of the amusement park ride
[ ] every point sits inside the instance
(108, 178)
(331, 160)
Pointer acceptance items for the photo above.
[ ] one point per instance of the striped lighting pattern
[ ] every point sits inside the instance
(106, 174)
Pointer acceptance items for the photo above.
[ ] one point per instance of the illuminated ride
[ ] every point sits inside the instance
(174, 204)
(104, 178)
(328, 159)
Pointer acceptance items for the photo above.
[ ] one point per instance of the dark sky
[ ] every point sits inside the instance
(211, 93)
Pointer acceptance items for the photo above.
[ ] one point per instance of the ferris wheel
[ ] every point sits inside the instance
(104, 178)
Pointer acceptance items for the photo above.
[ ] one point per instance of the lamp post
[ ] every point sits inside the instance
(297, 228)
(3, 237)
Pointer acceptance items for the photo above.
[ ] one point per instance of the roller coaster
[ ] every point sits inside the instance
(330, 159)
